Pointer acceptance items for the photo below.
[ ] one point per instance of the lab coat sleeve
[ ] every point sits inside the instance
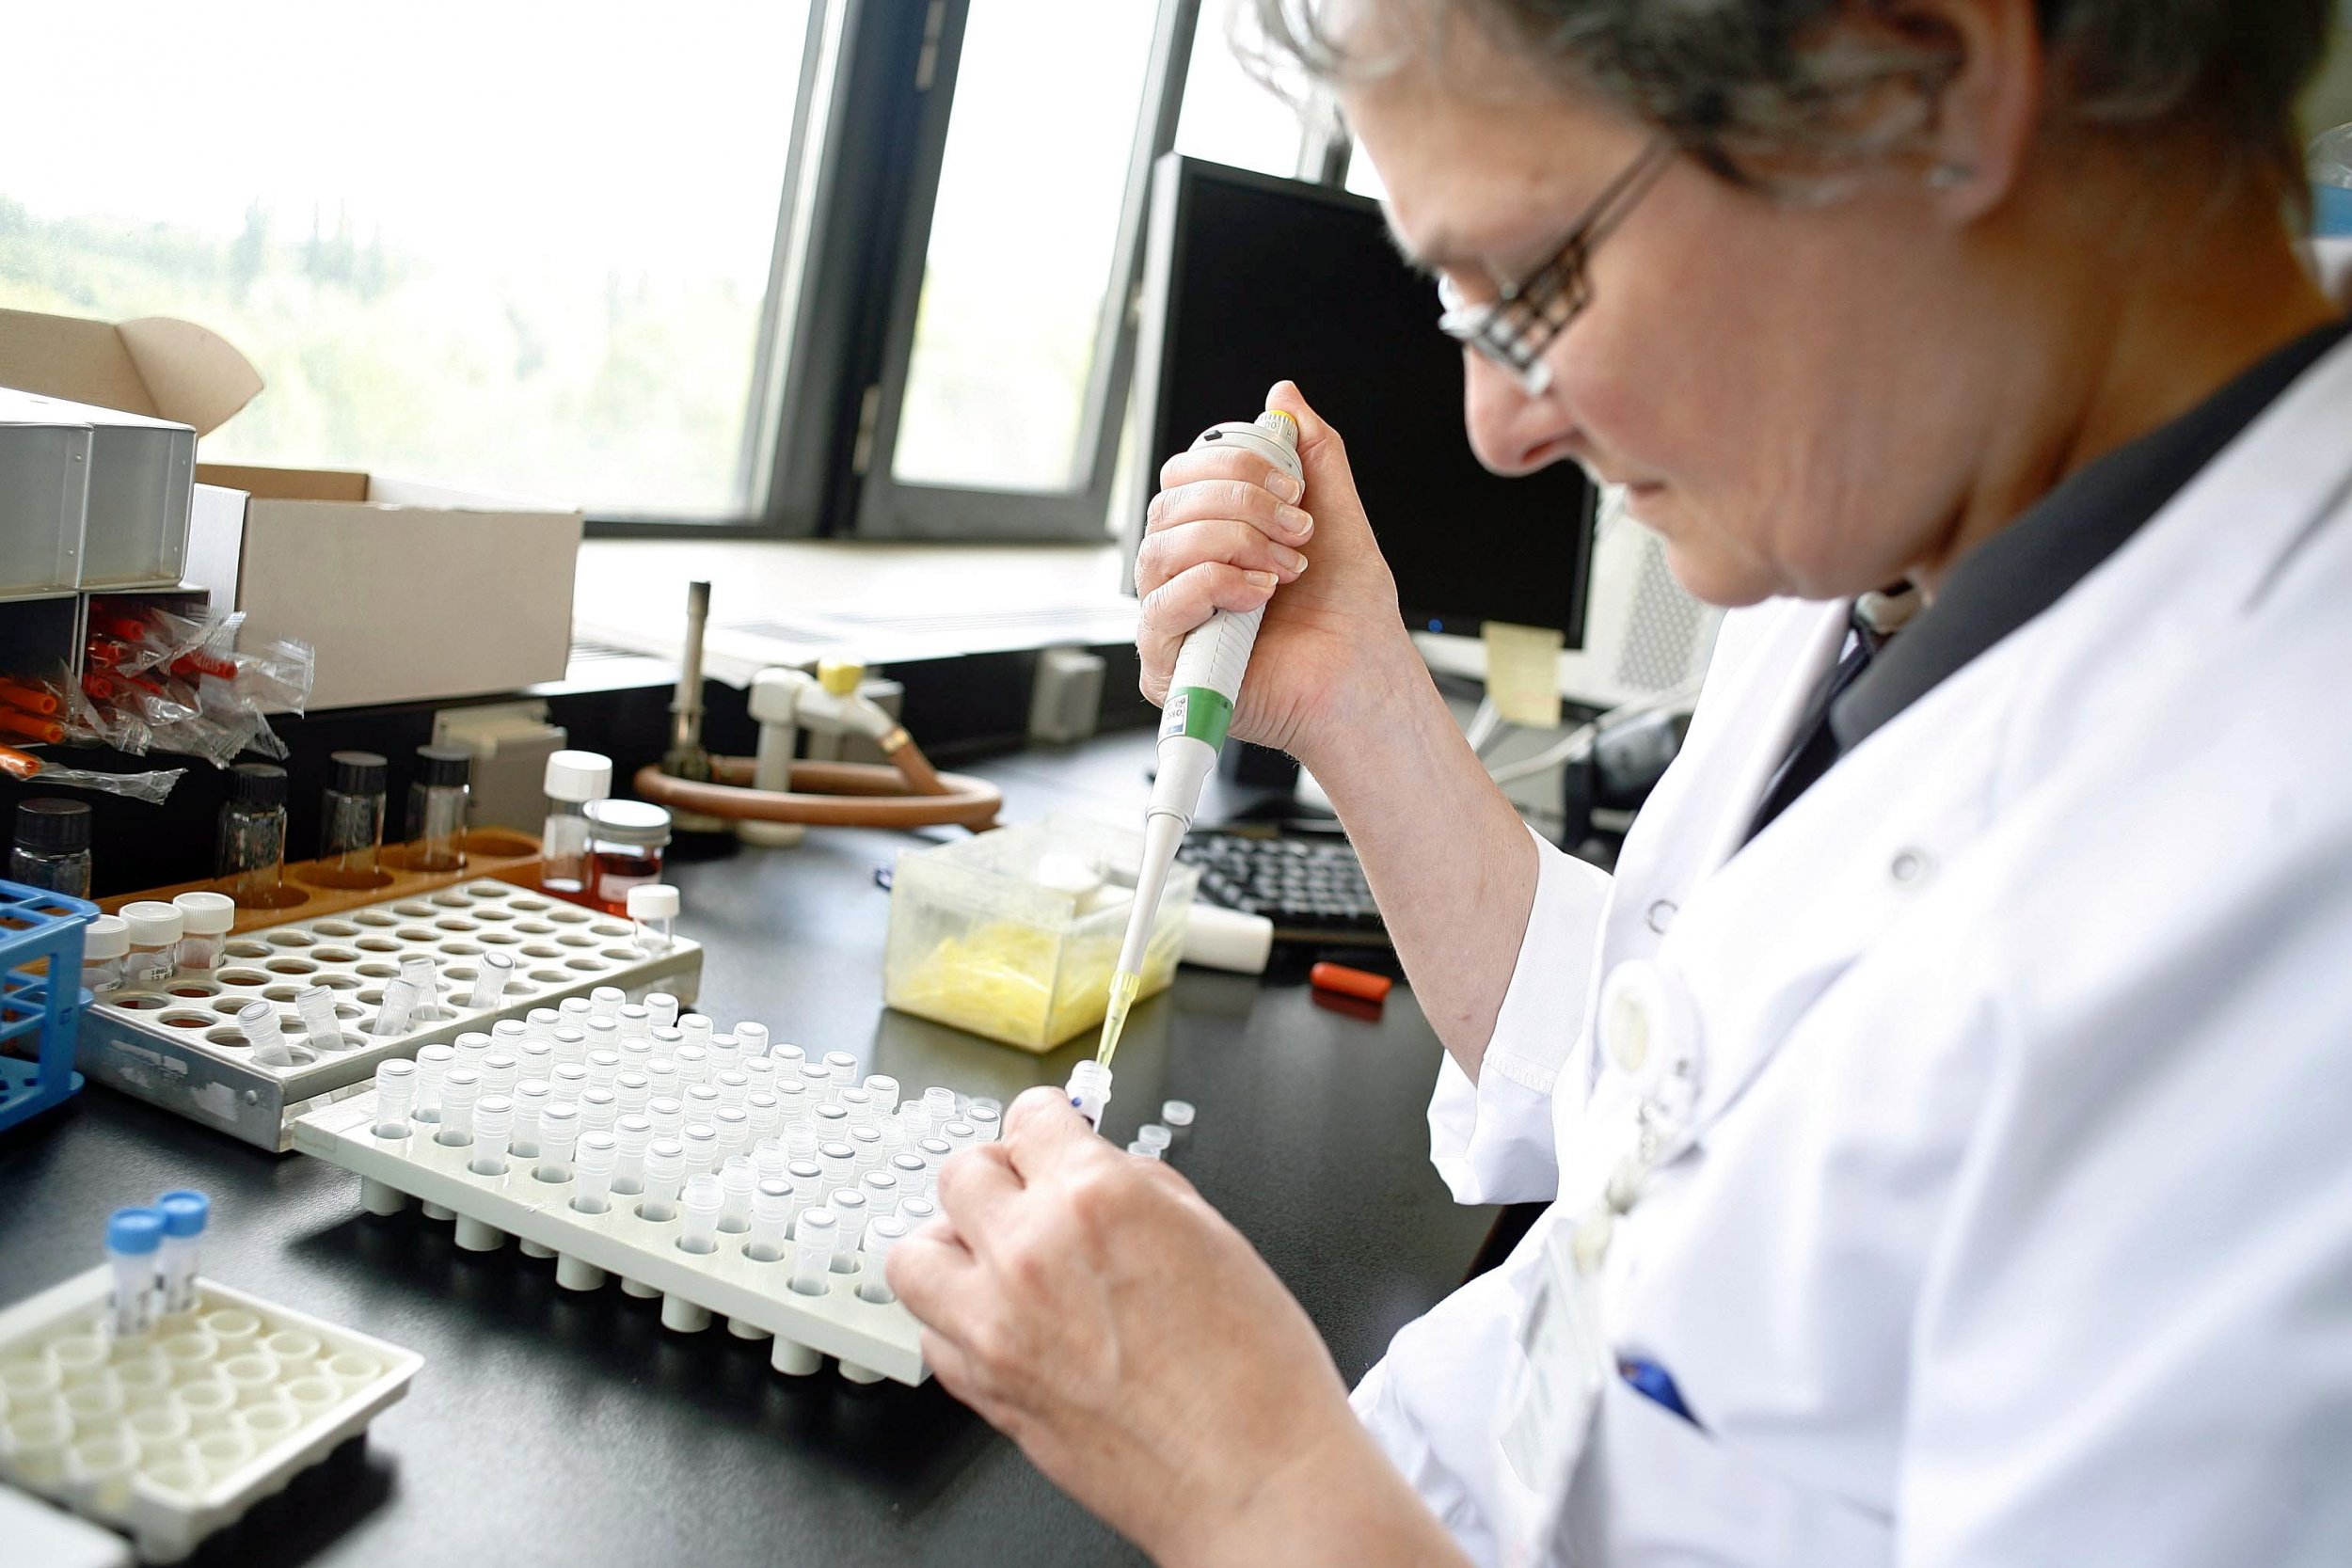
(2134, 1343)
(1492, 1140)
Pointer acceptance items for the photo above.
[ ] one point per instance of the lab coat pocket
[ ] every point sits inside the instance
(1654, 1490)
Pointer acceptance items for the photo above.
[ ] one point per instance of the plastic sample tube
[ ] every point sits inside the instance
(940, 1105)
(603, 1065)
(803, 1139)
(598, 1110)
(668, 1115)
(693, 1064)
(817, 1078)
(696, 1028)
(631, 1135)
(857, 1102)
(635, 1023)
(259, 1021)
(498, 1071)
(1177, 1113)
(576, 1010)
(633, 1089)
(917, 1212)
(567, 1082)
(812, 1251)
(734, 1128)
(843, 1067)
(880, 1188)
(665, 1169)
(321, 1028)
(766, 1116)
(934, 1152)
(726, 1054)
(1090, 1090)
(490, 981)
(399, 1007)
(421, 973)
(541, 1022)
(598, 1153)
(432, 1064)
(960, 1134)
(106, 942)
(737, 1179)
(395, 1093)
(156, 928)
(530, 1103)
(473, 1048)
(867, 1144)
(133, 1237)
(886, 1231)
(786, 1056)
(204, 921)
(771, 1218)
(664, 1006)
(910, 1171)
(838, 1162)
(1155, 1136)
(605, 1002)
(572, 780)
(792, 1101)
(510, 1035)
(559, 1133)
(850, 1218)
(753, 1036)
(461, 1086)
(732, 1087)
(653, 912)
(493, 1126)
(700, 1141)
(988, 1120)
(571, 1044)
(882, 1090)
(1147, 1150)
(185, 1213)
(662, 1076)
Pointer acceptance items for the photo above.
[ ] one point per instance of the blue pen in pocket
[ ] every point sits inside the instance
(1655, 1384)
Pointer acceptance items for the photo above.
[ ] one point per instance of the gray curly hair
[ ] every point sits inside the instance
(1790, 92)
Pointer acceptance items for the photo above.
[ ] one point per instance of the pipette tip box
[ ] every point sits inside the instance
(175, 1435)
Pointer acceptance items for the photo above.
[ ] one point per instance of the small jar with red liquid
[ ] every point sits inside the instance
(626, 841)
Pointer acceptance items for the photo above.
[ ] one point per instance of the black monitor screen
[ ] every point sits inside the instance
(1267, 278)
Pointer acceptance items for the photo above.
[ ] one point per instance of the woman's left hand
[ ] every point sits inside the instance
(1089, 1304)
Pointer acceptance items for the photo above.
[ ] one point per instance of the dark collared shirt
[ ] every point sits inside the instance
(2026, 567)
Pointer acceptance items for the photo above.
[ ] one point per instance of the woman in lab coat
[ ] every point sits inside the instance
(1945, 1109)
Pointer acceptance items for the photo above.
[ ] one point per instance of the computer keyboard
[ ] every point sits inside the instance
(1312, 889)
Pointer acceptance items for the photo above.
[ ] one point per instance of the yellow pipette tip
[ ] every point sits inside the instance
(1124, 985)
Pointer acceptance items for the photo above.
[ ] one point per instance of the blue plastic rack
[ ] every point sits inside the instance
(41, 997)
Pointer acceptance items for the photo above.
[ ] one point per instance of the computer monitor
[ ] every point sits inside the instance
(1250, 278)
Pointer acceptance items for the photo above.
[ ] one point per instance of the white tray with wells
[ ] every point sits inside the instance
(175, 1435)
(179, 1045)
(755, 1276)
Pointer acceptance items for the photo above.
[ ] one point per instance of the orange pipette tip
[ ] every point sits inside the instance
(1350, 982)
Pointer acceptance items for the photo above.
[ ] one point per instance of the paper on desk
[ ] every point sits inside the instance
(1523, 672)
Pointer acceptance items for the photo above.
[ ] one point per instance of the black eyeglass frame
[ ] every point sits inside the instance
(1517, 328)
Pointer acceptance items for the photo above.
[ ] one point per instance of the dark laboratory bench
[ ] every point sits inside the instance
(549, 1428)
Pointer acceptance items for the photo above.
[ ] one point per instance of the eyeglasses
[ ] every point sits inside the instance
(1517, 327)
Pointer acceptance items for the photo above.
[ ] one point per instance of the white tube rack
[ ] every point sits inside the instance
(178, 1046)
(179, 1489)
(871, 1340)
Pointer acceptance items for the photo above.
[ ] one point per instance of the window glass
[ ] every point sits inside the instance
(1046, 101)
(493, 242)
(1230, 115)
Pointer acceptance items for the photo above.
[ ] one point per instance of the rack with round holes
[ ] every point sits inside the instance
(179, 1045)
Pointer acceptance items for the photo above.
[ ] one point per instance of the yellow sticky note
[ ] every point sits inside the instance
(1523, 672)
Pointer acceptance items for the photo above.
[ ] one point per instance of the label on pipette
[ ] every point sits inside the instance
(1201, 712)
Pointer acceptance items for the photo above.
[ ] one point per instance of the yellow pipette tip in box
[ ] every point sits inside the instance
(1124, 985)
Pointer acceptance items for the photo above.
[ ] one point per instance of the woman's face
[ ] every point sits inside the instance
(1768, 379)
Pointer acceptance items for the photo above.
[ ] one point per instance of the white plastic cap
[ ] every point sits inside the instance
(208, 915)
(579, 776)
(1062, 872)
(107, 937)
(152, 924)
(653, 901)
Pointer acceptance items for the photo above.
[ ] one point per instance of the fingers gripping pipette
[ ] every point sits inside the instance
(1200, 696)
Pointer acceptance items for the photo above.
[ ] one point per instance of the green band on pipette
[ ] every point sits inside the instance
(1206, 712)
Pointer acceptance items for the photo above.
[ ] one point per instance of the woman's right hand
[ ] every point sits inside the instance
(1226, 531)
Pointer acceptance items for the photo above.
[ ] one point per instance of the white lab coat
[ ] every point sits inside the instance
(2024, 1235)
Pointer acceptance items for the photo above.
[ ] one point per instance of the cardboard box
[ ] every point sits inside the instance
(409, 592)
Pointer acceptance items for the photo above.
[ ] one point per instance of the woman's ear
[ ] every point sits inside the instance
(1986, 101)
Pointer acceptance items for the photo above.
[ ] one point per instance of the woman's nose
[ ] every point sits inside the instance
(1511, 431)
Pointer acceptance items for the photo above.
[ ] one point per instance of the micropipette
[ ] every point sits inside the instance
(1200, 696)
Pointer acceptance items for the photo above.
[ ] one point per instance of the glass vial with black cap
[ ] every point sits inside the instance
(249, 851)
(351, 820)
(51, 847)
(437, 798)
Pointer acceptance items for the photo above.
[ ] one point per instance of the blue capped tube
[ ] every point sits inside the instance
(134, 1237)
(185, 1213)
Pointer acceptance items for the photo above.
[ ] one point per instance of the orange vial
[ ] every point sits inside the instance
(626, 841)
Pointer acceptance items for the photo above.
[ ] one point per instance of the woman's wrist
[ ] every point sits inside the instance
(1387, 695)
(1332, 1497)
